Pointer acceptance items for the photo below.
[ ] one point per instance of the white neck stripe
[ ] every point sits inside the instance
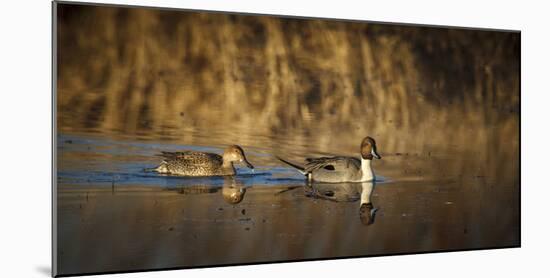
(367, 174)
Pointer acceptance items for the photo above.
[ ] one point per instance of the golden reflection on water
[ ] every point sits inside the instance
(443, 106)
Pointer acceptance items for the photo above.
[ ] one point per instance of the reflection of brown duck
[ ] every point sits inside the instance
(192, 163)
(233, 191)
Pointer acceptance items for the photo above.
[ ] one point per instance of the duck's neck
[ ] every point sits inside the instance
(227, 167)
(366, 170)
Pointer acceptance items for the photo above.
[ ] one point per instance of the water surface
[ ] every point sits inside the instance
(113, 216)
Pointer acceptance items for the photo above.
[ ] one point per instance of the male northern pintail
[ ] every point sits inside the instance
(341, 168)
(196, 164)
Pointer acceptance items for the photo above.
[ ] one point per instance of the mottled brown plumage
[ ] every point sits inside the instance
(196, 164)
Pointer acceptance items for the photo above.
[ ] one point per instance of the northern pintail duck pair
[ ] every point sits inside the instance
(323, 169)
(341, 168)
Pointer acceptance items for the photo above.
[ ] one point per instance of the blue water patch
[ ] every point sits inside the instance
(154, 179)
(105, 162)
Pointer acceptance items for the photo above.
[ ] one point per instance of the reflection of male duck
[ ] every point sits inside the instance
(366, 209)
(347, 192)
(342, 192)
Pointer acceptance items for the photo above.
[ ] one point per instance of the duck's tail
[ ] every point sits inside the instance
(159, 169)
(150, 170)
(300, 169)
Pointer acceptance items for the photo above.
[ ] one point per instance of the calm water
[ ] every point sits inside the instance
(113, 216)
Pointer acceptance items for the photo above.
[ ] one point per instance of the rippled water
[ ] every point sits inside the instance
(114, 216)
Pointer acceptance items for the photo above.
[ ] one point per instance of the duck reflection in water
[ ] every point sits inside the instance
(347, 192)
(233, 190)
(367, 211)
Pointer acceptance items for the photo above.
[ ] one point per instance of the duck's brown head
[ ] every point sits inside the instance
(235, 153)
(368, 149)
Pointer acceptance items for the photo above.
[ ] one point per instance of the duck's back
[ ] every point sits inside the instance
(334, 169)
(192, 163)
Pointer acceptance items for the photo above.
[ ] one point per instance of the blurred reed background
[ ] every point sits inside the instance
(276, 83)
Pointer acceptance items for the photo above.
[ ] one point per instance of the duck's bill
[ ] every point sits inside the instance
(248, 164)
(367, 212)
(375, 154)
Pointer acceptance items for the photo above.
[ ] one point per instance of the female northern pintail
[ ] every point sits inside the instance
(341, 168)
(196, 164)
